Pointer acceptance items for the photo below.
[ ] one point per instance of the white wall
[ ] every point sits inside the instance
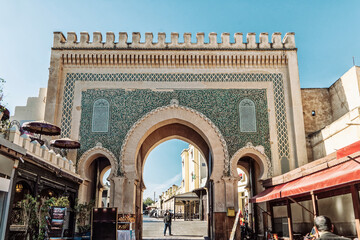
(34, 109)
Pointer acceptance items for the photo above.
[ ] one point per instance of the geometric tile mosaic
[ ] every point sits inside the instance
(219, 105)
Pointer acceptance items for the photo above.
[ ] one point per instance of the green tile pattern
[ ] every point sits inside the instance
(218, 105)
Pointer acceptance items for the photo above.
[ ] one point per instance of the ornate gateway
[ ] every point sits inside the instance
(223, 97)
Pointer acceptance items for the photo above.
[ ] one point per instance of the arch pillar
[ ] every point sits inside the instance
(84, 191)
(124, 194)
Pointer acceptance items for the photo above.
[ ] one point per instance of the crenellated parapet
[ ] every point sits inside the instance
(72, 41)
(41, 152)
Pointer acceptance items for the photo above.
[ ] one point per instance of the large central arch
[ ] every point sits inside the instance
(161, 124)
(163, 116)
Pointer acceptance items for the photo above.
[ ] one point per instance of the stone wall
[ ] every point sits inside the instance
(334, 122)
(316, 108)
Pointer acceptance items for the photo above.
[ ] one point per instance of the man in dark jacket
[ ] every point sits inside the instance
(167, 221)
(324, 227)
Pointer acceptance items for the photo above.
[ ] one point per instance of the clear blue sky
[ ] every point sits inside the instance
(163, 167)
(327, 31)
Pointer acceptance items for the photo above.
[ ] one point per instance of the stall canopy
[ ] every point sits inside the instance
(344, 173)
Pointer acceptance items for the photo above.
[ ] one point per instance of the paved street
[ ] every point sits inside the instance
(154, 229)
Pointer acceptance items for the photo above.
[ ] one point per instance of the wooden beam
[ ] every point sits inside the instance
(356, 203)
(293, 200)
(315, 204)
(271, 206)
(291, 236)
(264, 210)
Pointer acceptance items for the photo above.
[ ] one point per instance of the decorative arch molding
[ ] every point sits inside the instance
(258, 154)
(90, 155)
(155, 118)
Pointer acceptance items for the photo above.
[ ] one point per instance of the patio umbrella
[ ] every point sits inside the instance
(42, 128)
(66, 143)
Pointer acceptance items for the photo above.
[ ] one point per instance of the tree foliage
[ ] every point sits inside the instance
(148, 201)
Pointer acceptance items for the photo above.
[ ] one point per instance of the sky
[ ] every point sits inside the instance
(163, 167)
(327, 33)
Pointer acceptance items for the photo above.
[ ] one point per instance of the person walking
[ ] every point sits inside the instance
(167, 221)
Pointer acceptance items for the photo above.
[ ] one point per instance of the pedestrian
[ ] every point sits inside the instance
(167, 221)
(325, 229)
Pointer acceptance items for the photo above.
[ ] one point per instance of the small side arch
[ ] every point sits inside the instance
(93, 153)
(257, 153)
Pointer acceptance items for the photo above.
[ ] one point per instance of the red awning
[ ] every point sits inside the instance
(339, 175)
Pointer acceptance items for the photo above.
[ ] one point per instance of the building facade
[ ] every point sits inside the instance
(238, 102)
(193, 169)
(332, 115)
(34, 109)
(39, 172)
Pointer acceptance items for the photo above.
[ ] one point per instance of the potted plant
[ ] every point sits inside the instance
(58, 208)
(35, 214)
(29, 218)
(83, 213)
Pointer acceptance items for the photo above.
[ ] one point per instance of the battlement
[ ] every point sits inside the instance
(71, 41)
(42, 153)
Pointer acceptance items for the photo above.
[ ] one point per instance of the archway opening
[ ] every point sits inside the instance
(99, 187)
(175, 174)
(163, 124)
(249, 173)
(105, 185)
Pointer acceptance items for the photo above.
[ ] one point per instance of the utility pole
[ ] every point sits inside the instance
(154, 197)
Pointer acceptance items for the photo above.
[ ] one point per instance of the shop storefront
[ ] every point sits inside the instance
(328, 186)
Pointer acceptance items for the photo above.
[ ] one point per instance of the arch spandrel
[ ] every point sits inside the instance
(90, 155)
(256, 153)
(173, 114)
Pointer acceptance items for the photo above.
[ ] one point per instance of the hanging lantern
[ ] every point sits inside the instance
(19, 187)
(51, 193)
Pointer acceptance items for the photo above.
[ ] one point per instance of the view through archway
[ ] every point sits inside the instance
(175, 176)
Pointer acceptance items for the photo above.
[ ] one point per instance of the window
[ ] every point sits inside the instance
(247, 116)
(100, 118)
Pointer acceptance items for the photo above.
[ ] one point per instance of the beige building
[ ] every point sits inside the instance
(332, 126)
(189, 200)
(332, 115)
(34, 109)
(194, 169)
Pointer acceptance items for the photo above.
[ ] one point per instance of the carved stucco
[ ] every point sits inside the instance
(90, 155)
(258, 154)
